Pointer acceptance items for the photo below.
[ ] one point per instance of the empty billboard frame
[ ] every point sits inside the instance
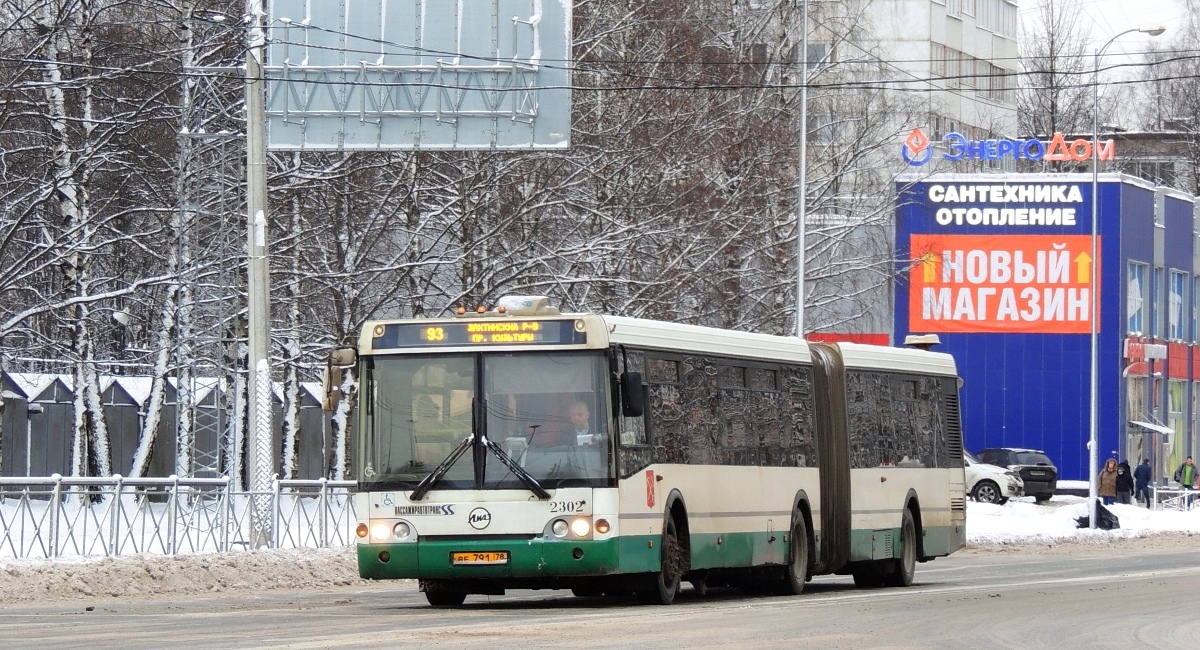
(375, 75)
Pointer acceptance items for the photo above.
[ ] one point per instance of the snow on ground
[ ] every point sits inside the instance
(145, 576)
(1019, 526)
(1023, 523)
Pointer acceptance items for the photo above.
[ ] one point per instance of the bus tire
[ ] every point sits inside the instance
(439, 594)
(665, 583)
(866, 576)
(905, 566)
(587, 592)
(797, 570)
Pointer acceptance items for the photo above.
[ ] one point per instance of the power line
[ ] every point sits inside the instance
(657, 82)
(594, 67)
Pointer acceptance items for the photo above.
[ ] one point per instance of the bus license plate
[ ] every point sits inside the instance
(486, 557)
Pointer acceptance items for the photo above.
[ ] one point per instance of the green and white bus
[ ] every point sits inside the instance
(699, 455)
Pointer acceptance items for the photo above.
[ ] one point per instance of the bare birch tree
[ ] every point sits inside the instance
(1169, 98)
(677, 201)
(1056, 96)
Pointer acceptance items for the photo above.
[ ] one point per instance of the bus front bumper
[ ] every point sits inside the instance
(522, 558)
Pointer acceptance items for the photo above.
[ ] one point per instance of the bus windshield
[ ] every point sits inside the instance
(545, 411)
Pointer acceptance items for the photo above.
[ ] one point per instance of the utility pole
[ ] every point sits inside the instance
(258, 278)
(802, 190)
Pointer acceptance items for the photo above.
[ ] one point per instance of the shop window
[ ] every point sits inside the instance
(1176, 394)
(1135, 398)
(1135, 303)
(1175, 312)
(1195, 305)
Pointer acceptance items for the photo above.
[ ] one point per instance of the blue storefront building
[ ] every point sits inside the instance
(999, 266)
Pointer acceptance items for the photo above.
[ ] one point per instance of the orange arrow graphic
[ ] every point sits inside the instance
(929, 263)
(1083, 268)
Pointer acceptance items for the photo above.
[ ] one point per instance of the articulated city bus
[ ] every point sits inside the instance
(520, 447)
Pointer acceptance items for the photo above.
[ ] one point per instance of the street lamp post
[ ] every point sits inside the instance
(1094, 317)
(258, 307)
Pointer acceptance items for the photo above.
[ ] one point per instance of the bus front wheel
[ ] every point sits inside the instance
(439, 594)
(665, 584)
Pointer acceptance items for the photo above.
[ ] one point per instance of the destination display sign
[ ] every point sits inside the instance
(481, 333)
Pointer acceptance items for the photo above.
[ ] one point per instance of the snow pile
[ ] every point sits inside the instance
(1023, 522)
(150, 575)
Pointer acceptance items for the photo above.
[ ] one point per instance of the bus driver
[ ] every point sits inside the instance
(581, 420)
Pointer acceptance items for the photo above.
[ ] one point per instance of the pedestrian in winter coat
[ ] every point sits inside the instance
(1108, 482)
(1186, 474)
(1124, 483)
(1186, 477)
(1141, 482)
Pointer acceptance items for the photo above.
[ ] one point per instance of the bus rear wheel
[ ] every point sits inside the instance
(905, 567)
(867, 576)
(797, 570)
(665, 584)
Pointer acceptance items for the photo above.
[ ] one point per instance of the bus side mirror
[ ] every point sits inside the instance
(343, 357)
(632, 401)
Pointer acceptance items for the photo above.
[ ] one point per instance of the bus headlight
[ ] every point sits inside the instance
(578, 528)
(381, 532)
(402, 530)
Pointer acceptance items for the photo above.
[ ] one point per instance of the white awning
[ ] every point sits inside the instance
(1158, 428)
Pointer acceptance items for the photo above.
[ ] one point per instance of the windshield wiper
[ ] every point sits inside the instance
(438, 472)
(516, 469)
(477, 418)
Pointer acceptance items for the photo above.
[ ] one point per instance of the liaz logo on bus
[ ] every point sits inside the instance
(917, 149)
(479, 518)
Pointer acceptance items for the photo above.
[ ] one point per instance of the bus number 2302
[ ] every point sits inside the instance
(560, 507)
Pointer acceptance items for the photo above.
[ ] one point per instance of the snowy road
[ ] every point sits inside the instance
(1091, 597)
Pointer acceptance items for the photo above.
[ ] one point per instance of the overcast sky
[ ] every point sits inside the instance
(1112, 17)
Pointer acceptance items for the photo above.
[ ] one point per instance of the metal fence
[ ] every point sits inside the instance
(65, 516)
